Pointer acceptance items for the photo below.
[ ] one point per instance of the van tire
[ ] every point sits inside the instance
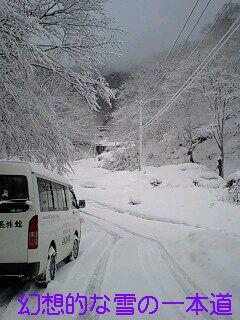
(42, 281)
(75, 251)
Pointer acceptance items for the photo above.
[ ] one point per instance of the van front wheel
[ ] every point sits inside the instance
(49, 275)
(75, 250)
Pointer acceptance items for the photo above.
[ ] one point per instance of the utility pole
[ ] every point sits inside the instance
(140, 136)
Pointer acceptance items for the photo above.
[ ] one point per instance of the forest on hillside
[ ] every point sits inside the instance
(203, 125)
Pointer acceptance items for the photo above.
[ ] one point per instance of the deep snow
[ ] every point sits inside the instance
(166, 232)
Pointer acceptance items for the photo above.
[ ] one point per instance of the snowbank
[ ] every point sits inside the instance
(183, 175)
(185, 194)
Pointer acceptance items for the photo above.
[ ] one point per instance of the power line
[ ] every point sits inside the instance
(184, 87)
(194, 27)
(180, 33)
(228, 34)
(200, 68)
(203, 38)
(210, 29)
(186, 40)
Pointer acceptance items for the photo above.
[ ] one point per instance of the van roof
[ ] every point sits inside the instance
(40, 170)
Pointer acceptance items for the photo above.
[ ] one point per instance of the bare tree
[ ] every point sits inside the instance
(219, 89)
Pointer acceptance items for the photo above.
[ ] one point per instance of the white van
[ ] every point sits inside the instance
(39, 221)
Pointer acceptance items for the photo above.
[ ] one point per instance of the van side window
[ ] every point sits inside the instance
(59, 196)
(55, 198)
(64, 196)
(43, 198)
(52, 196)
(49, 195)
(73, 200)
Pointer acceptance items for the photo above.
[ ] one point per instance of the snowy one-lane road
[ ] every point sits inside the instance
(124, 251)
(116, 258)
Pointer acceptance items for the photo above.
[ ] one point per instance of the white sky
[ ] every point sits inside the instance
(152, 25)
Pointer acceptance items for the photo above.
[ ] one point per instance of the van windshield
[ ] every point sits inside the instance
(13, 193)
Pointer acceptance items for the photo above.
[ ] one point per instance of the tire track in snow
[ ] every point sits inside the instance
(188, 286)
(95, 282)
(155, 278)
(9, 289)
(147, 217)
(110, 232)
(9, 293)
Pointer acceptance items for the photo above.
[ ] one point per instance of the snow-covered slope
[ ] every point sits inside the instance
(185, 194)
(162, 152)
(187, 116)
(155, 233)
(184, 206)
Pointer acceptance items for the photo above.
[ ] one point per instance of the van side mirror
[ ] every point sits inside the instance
(82, 203)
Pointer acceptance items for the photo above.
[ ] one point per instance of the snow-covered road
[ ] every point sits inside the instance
(119, 257)
(124, 251)
(116, 258)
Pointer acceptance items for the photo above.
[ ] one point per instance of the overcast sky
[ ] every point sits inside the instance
(152, 25)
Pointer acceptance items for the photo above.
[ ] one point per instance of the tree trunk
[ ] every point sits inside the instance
(221, 172)
(221, 165)
(190, 153)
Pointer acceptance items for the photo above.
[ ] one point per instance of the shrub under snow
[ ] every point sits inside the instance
(233, 185)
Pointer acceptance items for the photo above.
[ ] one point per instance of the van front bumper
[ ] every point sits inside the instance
(19, 269)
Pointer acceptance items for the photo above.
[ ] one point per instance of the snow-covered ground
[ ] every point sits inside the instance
(167, 232)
